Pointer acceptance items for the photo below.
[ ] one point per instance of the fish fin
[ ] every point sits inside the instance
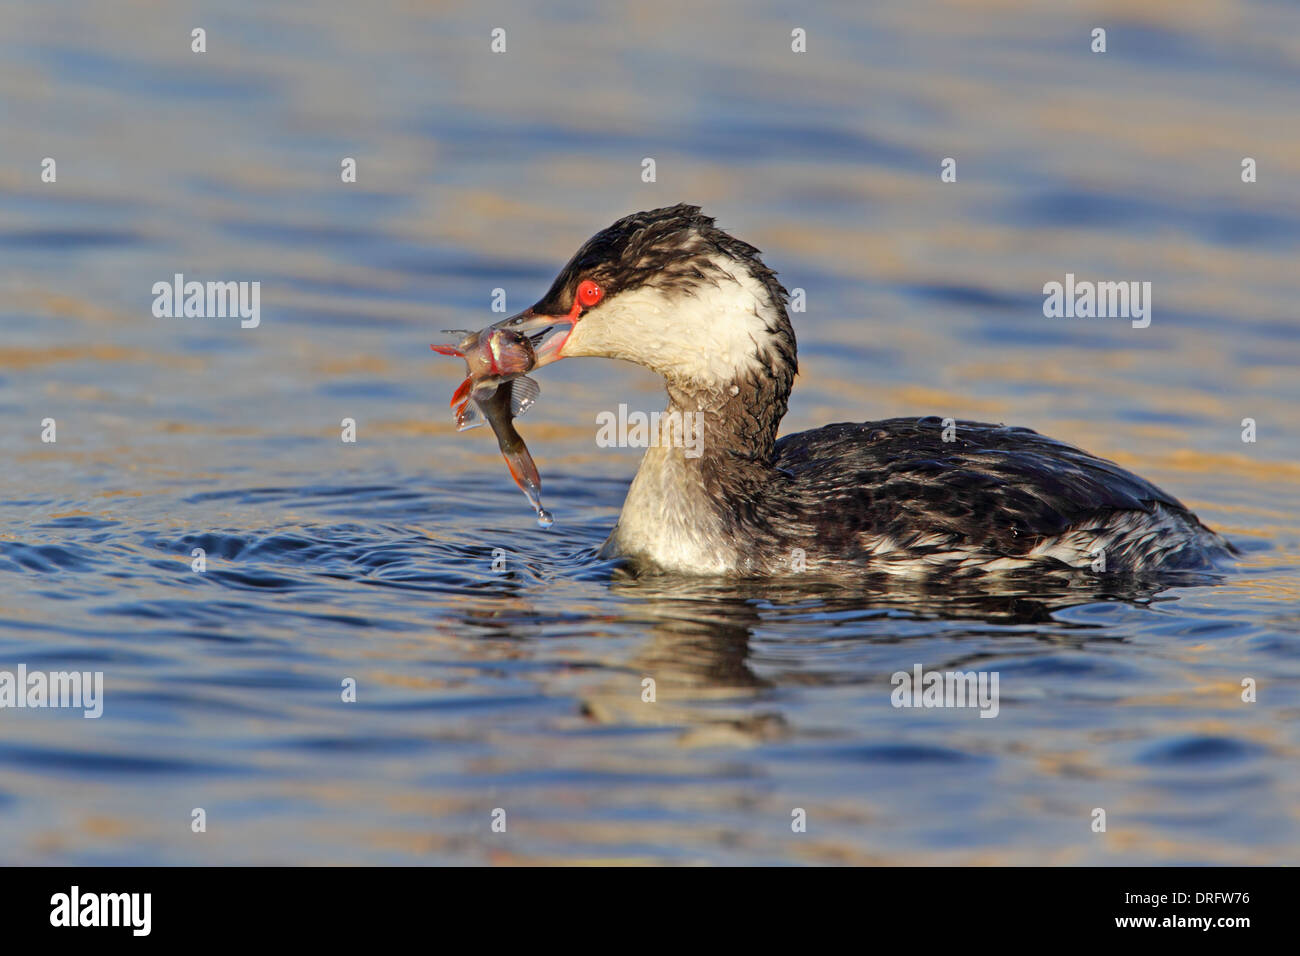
(524, 472)
(461, 391)
(523, 393)
(469, 415)
(447, 350)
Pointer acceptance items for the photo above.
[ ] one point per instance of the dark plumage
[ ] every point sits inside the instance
(993, 492)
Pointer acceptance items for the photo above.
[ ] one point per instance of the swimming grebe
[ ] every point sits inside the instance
(668, 290)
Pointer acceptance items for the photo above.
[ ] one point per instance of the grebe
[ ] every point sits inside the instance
(669, 290)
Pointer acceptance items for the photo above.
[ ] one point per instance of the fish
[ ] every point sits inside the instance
(498, 391)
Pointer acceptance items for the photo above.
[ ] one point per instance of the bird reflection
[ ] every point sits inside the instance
(697, 636)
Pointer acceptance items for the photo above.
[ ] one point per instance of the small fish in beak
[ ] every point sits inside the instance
(497, 358)
(497, 391)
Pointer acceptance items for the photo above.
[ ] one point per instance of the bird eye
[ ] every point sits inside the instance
(589, 293)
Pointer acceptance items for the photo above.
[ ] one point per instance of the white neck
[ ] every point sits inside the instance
(669, 518)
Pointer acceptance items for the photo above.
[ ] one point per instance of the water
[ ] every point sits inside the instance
(520, 688)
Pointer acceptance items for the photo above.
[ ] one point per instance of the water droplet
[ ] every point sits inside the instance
(544, 518)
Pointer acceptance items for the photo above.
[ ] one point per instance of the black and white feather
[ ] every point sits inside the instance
(699, 307)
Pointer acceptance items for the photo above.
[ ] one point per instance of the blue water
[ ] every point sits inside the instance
(501, 666)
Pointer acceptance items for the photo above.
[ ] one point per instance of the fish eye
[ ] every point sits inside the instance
(589, 293)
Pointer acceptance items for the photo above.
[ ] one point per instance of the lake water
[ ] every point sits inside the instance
(521, 688)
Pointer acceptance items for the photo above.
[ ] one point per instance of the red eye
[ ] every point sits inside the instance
(589, 293)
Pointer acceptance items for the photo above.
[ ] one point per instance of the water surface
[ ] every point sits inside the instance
(519, 686)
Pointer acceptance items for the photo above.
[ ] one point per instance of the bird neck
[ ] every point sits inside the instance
(697, 497)
(737, 421)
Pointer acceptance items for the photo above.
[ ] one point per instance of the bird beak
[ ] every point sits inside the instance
(548, 333)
